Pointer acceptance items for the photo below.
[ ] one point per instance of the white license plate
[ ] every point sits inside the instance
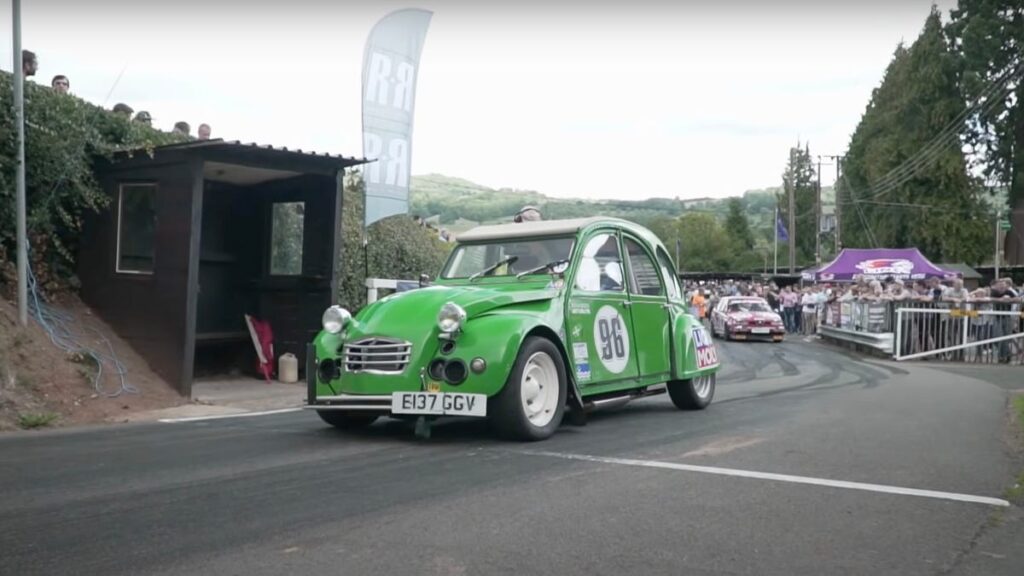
(761, 330)
(439, 403)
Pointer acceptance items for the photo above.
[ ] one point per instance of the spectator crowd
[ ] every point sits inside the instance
(62, 85)
(802, 308)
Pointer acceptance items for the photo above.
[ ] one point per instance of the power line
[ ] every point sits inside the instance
(902, 173)
(860, 212)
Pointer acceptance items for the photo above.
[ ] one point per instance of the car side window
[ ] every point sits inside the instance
(668, 274)
(600, 268)
(644, 273)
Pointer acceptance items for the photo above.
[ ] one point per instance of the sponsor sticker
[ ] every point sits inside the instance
(583, 372)
(579, 308)
(704, 349)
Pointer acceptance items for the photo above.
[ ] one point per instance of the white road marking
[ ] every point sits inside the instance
(778, 477)
(223, 416)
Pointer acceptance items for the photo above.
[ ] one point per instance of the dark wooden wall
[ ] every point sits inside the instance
(223, 231)
(149, 311)
(294, 304)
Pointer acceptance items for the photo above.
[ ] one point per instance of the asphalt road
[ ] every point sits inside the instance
(283, 494)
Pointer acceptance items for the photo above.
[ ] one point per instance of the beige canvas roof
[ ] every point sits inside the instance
(528, 229)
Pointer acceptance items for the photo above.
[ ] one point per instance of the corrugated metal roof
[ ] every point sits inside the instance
(966, 272)
(239, 146)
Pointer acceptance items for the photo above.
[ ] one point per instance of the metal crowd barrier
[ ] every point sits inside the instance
(861, 316)
(984, 332)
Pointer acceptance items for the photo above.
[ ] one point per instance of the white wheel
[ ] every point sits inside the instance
(531, 404)
(693, 394)
(538, 389)
(703, 384)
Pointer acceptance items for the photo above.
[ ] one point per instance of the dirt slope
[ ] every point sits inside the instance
(42, 386)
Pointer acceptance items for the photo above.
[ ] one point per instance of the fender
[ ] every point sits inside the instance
(695, 351)
(520, 325)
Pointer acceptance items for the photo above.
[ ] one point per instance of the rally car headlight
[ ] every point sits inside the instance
(450, 318)
(335, 318)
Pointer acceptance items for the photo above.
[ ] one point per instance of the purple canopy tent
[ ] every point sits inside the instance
(901, 263)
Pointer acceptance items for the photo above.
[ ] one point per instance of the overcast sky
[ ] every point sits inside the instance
(601, 100)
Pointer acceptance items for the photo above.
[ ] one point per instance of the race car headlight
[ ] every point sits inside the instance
(450, 318)
(335, 318)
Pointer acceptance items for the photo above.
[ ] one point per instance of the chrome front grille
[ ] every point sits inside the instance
(377, 355)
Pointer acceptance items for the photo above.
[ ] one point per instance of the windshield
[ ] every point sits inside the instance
(749, 306)
(506, 257)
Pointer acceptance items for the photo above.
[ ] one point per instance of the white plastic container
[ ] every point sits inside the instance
(288, 368)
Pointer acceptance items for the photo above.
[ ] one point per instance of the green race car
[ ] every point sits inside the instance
(526, 322)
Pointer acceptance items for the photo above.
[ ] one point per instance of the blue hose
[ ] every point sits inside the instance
(69, 335)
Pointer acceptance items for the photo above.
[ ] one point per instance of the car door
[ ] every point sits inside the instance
(598, 315)
(650, 311)
(718, 316)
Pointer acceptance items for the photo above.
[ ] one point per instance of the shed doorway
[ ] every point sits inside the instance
(266, 250)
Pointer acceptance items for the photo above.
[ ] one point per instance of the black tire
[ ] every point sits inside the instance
(685, 397)
(505, 409)
(347, 420)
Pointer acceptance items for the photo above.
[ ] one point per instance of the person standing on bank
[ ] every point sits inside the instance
(60, 84)
(29, 63)
(528, 214)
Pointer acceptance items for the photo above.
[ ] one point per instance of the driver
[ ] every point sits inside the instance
(530, 255)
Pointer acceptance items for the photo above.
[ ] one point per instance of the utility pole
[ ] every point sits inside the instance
(775, 224)
(792, 210)
(839, 203)
(19, 185)
(817, 220)
(998, 217)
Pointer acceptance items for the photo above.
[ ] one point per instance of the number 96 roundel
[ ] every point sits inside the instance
(611, 339)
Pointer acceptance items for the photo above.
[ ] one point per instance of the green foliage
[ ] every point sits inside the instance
(737, 226)
(988, 38)
(64, 135)
(397, 247)
(800, 177)
(917, 99)
(458, 204)
(32, 420)
(703, 243)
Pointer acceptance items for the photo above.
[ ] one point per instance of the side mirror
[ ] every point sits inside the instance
(560, 268)
(424, 280)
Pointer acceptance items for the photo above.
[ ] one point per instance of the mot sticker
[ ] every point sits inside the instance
(704, 349)
(580, 352)
(611, 339)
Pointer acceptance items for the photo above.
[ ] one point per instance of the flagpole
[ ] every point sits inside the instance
(775, 225)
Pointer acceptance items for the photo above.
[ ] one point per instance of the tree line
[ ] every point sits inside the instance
(940, 146)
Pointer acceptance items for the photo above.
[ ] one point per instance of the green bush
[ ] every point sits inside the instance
(36, 420)
(64, 136)
(398, 248)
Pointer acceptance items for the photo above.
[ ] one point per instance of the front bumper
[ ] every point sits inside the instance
(745, 333)
(361, 402)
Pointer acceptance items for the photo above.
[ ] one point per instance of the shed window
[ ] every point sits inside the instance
(287, 223)
(136, 228)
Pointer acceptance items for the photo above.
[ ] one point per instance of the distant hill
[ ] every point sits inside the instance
(458, 204)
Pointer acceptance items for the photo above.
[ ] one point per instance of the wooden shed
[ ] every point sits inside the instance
(202, 233)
